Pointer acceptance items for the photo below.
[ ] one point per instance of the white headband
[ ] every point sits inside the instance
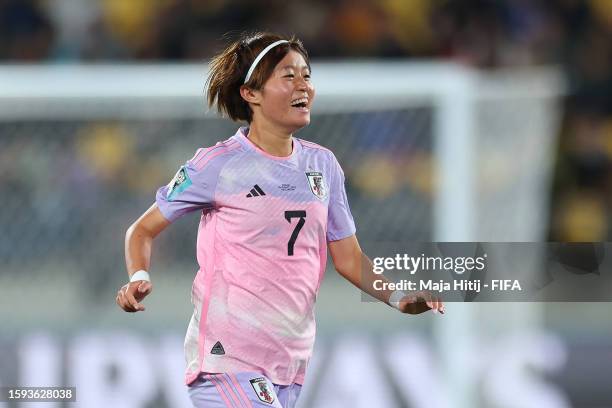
(260, 56)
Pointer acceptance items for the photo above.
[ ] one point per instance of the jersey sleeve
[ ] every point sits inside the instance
(192, 188)
(340, 223)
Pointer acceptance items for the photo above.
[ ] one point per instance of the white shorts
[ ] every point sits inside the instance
(241, 390)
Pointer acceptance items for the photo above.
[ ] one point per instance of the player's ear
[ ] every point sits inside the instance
(250, 95)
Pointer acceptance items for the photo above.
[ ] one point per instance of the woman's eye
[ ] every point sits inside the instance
(289, 76)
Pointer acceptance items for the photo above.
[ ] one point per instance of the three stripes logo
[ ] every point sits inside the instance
(256, 191)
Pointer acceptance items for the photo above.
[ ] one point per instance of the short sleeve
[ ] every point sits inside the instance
(192, 188)
(340, 223)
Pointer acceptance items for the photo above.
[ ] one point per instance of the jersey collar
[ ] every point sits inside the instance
(241, 136)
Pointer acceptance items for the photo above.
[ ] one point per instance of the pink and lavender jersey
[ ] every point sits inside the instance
(262, 249)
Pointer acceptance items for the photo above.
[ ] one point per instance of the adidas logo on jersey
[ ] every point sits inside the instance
(256, 191)
(218, 349)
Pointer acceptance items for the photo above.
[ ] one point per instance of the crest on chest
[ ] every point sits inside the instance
(317, 184)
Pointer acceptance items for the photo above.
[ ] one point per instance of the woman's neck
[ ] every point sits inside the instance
(270, 140)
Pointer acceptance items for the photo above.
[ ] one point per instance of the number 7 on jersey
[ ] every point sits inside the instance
(296, 231)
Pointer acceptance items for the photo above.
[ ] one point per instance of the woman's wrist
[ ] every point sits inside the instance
(140, 275)
(396, 297)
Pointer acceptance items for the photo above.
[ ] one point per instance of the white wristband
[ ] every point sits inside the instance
(396, 296)
(140, 275)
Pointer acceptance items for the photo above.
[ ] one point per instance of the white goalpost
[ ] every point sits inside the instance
(473, 113)
(436, 151)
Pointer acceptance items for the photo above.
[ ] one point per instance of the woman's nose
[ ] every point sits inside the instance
(302, 84)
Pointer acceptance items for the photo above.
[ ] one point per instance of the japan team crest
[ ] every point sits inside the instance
(260, 385)
(317, 184)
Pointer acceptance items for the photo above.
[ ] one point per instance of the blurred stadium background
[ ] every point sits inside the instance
(485, 120)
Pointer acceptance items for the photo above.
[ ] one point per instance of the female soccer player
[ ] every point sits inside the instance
(271, 205)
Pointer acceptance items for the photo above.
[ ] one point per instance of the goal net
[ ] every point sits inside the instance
(431, 152)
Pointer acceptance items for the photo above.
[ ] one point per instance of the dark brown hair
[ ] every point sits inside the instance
(228, 70)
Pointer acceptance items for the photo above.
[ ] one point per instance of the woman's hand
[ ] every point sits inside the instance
(130, 294)
(419, 302)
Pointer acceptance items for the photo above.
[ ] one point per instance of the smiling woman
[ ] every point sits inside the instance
(271, 205)
(248, 64)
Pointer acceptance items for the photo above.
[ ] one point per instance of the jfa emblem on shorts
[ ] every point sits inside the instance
(317, 184)
(260, 385)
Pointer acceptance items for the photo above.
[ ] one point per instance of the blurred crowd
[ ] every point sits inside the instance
(479, 32)
(576, 34)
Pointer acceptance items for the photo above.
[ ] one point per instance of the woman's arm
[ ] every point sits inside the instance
(138, 242)
(139, 237)
(357, 268)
